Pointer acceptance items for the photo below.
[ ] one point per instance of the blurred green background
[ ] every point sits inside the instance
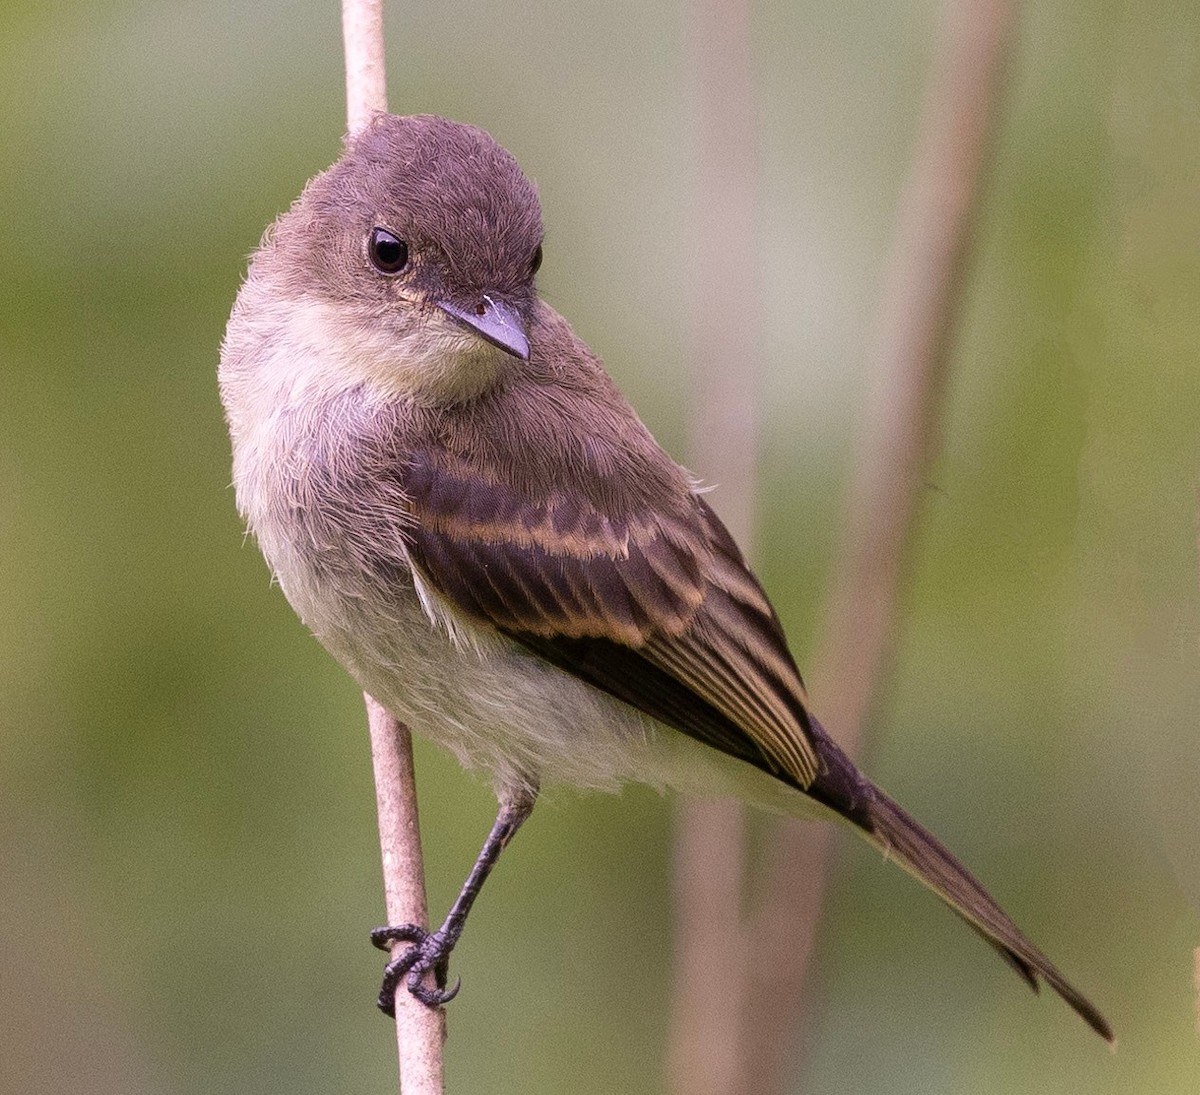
(188, 860)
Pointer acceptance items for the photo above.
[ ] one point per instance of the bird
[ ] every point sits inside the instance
(467, 513)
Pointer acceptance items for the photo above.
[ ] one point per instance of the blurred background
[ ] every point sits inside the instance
(188, 857)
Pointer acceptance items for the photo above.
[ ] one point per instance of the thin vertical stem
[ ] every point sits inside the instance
(711, 978)
(1196, 983)
(920, 307)
(420, 1030)
(366, 78)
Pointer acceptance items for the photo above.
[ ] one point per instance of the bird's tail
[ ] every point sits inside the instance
(886, 825)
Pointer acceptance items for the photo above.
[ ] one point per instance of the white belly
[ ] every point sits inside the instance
(505, 711)
(496, 706)
(499, 708)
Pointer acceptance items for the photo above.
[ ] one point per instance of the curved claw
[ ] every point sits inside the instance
(433, 998)
(430, 952)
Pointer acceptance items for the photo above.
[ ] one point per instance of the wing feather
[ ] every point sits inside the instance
(653, 605)
(547, 511)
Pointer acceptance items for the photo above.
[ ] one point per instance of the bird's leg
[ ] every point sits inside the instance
(431, 950)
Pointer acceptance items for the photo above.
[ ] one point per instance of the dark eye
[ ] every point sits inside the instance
(537, 260)
(389, 253)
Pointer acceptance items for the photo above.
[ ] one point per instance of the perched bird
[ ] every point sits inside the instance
(468, 514)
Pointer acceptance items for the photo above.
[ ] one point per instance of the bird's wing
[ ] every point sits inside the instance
(652, 603)
(632, 583)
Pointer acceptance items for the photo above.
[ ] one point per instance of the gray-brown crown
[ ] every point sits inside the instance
(458, 199)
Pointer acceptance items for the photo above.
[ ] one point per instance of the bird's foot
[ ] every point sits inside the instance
(430, 951)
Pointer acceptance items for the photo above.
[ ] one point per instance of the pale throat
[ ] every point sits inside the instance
(423, 355)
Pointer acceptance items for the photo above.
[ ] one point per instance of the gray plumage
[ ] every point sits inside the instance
(494, 545)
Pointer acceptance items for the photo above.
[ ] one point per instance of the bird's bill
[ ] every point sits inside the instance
(495, 321)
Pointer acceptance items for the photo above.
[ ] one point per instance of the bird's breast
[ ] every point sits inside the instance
(332, 521)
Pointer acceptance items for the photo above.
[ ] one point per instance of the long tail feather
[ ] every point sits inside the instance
(921, 854)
